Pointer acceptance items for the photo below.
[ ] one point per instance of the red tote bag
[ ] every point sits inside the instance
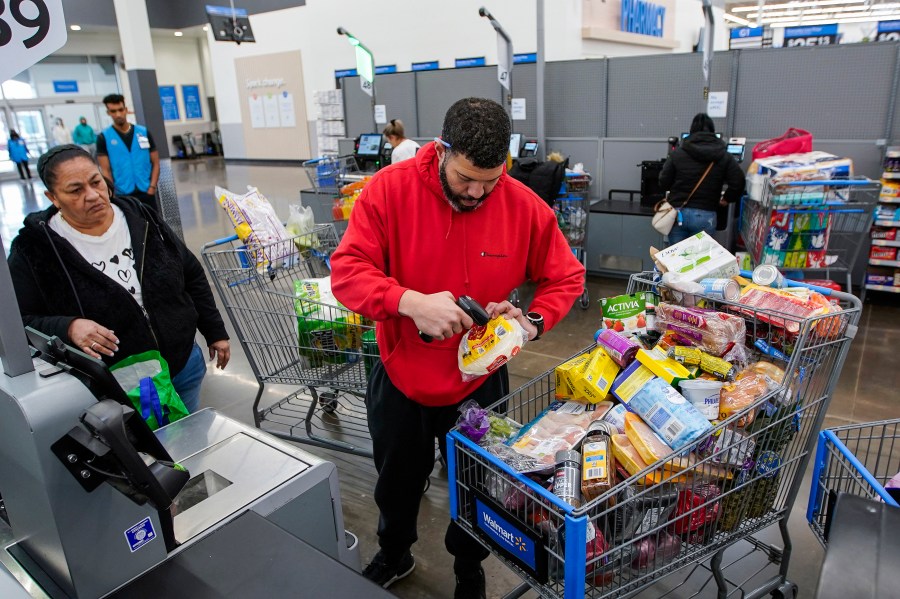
(793, 141)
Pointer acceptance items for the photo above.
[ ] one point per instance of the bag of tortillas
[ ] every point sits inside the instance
(484, 349)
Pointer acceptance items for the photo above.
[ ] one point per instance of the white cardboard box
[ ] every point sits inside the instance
(699, 257)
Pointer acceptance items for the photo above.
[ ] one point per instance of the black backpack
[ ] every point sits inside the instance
(544, 178)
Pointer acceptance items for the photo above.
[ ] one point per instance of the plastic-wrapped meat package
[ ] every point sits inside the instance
(716, 332)
(794, 309)
(558, 428)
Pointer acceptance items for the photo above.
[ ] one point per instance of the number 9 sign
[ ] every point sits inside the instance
(29, 31)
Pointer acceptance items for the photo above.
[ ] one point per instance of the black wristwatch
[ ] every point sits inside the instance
(538, 321)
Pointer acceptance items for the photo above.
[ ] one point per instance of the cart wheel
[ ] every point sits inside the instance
(788, 590)
(585, 300)
(514, 298)
(329, 402)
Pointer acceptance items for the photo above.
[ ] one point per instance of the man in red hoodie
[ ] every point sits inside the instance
(451, 222)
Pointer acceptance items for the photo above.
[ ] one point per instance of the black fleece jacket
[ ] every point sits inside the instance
(55, 285)
(686, 165)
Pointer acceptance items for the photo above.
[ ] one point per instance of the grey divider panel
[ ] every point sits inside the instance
(345, 146)
(620, 163)
(358, 117)
(575, 98)
(397, 91)
(658, 95)
(585, 151)
(835, 92)
(524, 85)
(167, 197)
(436, 91)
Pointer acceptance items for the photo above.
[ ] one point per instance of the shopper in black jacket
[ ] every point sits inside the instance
(684, 169)
(108, 276)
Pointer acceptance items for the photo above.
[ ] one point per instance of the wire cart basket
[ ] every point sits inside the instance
(856, 459)
(691, 503)
(572, 209)
(817, 226)
(337, 182)
(291, 339)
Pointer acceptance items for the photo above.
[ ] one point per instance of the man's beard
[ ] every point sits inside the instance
(456, 199)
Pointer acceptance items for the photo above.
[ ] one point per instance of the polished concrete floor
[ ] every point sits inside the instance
(867, 389)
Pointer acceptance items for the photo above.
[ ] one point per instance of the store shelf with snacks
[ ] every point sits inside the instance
(892, 263)
(891, 176)
(887, 288)
(887, 223)
(886, 243)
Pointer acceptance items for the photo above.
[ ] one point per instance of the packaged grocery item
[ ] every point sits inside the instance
(703, 395)
(594, 380)
(663, 366)
(257, 225)
(565, 388)
(689, 356)
(765, 300)
(740, 395)
(598, 465)
(616, 417)
(638, 513)
(721, 289)
(559, 427)
(696, 512)
(721, 369)
(745, 261)
(567, 477)
(698, 257)
(767, 275)
(729, 447)
(484, 349)
(628, 458)
(484, 426)
(661, 406)
(882, 253)
(651, 447)
(713, 331)
(621, 349)
(809, 166)
(326, 330)
(656, 550)
(624, 313)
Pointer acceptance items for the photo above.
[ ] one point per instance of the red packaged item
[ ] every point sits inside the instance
(888, 234)
(793, 308)
(824, 283)
(883, 253)
(687, 521)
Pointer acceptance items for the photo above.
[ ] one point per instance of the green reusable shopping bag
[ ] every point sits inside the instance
(146, 380)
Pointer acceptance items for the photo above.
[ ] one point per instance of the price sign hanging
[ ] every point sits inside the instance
(29, 31)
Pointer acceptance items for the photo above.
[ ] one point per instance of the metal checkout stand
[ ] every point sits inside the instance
(98, 505)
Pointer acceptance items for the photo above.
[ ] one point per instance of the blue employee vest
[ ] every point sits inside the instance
(130, 166)
(18, 151)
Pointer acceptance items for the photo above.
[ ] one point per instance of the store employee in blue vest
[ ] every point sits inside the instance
(127, 154)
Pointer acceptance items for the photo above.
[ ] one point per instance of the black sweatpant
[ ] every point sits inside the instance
(24, 171)
(403, 434)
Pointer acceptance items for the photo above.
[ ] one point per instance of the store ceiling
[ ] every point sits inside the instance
(165, 14)
(784, 13)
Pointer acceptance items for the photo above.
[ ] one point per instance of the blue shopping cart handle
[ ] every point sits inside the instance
(216, 242)
(789, 283)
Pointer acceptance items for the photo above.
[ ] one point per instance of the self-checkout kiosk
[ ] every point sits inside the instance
(98, 505)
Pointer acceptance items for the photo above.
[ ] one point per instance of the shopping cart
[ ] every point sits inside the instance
(816, 226)
(573, 208)
(326, 350)
(337, 182)
(542, 539)
(857, 459)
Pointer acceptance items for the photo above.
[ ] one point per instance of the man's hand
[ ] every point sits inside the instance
(93, 338)
(222, 349)
(436, 315)
(510, 312)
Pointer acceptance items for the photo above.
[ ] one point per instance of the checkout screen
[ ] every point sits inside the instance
(369, 145)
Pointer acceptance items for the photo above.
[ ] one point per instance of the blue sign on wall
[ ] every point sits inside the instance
(464, 63)
(643, 17)
(193, 109)
(344, 73)
(169, 102)
(65, 87)
(813, 35)
(745, 32)
(888, 31)
(385, 69)
(505, 534)
(886, 26)
(425, 66)
(225, 11)
(525, 58)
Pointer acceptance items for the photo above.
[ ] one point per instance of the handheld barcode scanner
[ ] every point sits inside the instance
(475, 311)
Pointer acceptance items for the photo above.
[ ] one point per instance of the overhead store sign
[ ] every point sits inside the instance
(643, 18)
(525, 58)
(386, 69)
(344, 73)
(432, 65)
(888, 31)
(818, 35)
(464, 63)
(746, 37)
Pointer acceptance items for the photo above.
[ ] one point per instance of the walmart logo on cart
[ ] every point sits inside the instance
(505, 534)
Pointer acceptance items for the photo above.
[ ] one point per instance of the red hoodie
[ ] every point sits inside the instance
(404, 235)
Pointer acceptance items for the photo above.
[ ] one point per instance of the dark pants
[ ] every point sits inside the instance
(146, 198)
(403, 434)
(24, 171)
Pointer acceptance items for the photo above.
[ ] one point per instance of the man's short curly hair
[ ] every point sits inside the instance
(478, 129)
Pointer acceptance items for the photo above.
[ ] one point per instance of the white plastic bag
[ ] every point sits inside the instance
(300, 226)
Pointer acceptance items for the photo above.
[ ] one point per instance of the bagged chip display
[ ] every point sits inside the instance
(257, 225)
